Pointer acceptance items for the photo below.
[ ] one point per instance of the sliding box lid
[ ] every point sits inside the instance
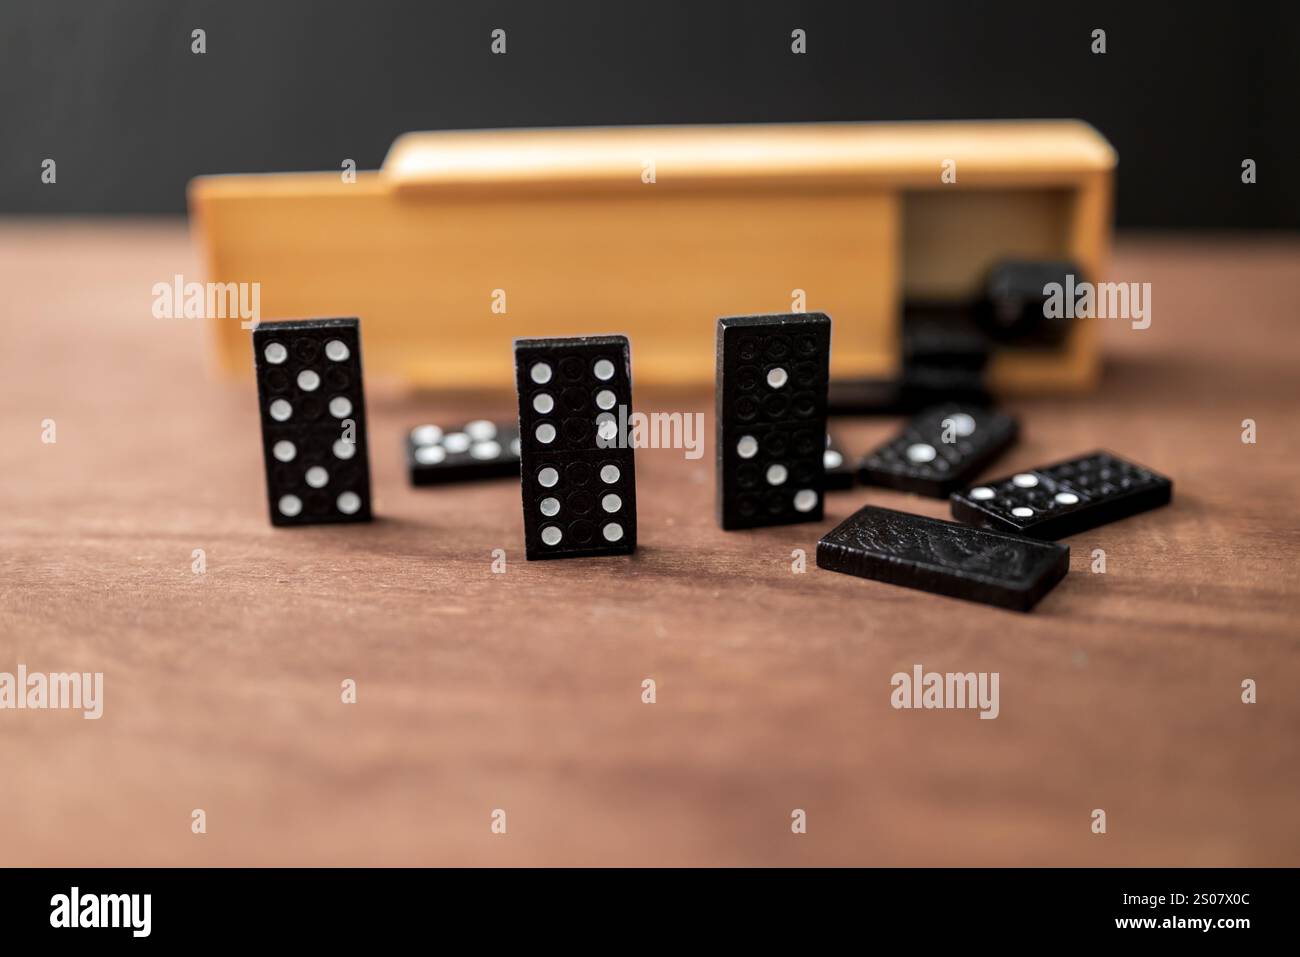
(813, 154)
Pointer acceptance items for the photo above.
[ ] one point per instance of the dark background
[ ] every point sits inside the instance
(111, 91)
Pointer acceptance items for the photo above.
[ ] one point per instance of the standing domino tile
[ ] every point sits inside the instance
(579, 485)
(466, 453)
(919, 459)
(313, 420)
(840, 473)
(771, 417)
(914, 551)
(1062, 499)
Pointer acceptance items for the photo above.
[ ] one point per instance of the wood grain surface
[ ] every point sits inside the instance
(522, 691)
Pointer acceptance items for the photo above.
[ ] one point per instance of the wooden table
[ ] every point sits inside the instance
(522, 691)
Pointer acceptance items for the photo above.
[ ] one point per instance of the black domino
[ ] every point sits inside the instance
(1065, 498)
(1013, 308)
(945, 558)
(840, 473)
(772, 375)
(919, 458)
(313, 410)
(919, 387)
(578, 484)
(437, 455)
(943, 337)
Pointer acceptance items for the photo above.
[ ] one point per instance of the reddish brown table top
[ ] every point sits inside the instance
(522, 691)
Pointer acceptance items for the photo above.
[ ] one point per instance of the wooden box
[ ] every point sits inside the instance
(657, 231)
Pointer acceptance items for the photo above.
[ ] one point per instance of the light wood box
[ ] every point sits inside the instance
(736, 220)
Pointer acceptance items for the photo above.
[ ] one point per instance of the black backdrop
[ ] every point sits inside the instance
(111, 91)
